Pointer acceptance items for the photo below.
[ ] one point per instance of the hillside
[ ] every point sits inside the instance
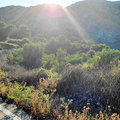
(99, 19)
(60, 63)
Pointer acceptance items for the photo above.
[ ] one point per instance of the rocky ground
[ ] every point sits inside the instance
(10, 112)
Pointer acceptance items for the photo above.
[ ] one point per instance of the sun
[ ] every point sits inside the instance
(58, 2)
(54, 8)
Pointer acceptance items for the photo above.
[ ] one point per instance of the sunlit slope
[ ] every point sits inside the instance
(98, 20)
(38, 18)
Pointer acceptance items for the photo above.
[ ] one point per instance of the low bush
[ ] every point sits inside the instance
(99, 47)
(104, 58)
(33, 77)
(5, 45)
(32, 55)
(15, 57)
(19, 42)
(43, 73)
(43, 106)
(74, 80)
(39, 103)
(105, 81)
(3, 76)
(77, 58)
(48, 61)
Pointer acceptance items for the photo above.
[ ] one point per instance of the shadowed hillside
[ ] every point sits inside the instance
(99, 19)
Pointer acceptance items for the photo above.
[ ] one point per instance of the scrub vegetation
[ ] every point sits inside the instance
(57, 78)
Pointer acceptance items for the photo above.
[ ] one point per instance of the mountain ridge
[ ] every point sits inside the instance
(99, 20)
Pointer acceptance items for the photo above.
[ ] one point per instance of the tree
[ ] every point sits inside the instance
(6, 30)
(32, 55)
(52, 45)
(2, 31)
(21, 32)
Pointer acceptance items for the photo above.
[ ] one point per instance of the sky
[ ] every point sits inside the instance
(64, 3)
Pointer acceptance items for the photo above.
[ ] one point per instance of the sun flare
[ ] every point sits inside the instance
(59, 2)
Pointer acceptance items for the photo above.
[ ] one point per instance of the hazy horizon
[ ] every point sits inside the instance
(28, 3)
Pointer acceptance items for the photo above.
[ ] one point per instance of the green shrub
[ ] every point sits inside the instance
(91, 53)
(37, 102)
(99, 47)
(104, 57)
(15, 57)
(20, 93)
(3, 75)
(43, 73)
(5, 45)
(33, 77)
(52, 45)
(20, 32)
(77, 58)
(73, 80)
(55, 62)
(48, 61)
(19, 42)
(5, 30)
(32, 55)
(56, 43)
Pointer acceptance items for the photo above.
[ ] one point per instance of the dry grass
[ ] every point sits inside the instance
(69, 115)
(41, 105)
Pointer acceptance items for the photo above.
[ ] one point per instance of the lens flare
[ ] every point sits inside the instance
(53, 11)
(59, 2)
(77, 26)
